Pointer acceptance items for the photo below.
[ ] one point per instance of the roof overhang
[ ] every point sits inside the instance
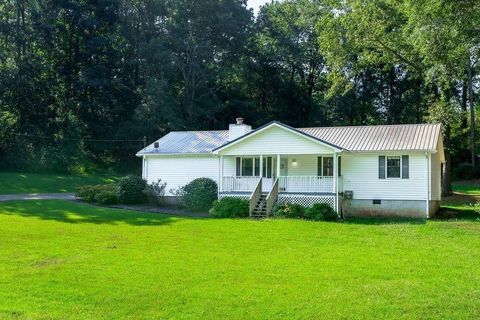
(279, 125)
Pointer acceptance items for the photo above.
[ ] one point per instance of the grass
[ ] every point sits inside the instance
(14, 183)
(467, 187)
(62, 259)
(465, 196)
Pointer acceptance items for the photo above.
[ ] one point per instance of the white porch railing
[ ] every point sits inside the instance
(306, 184)
(239, 184)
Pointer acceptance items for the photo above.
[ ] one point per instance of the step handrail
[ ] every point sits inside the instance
(272, 197)
(255, 196)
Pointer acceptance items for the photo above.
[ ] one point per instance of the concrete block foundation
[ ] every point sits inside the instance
(388, 208)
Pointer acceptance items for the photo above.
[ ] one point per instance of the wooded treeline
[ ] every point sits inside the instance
(73, 72)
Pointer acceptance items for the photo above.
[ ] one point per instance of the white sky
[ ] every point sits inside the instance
(255, 4)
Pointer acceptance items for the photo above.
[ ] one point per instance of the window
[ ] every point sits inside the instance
(393, 167)
(248, 166)
(327, 166)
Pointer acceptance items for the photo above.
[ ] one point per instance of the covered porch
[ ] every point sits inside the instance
(293, 178)
(279, 163)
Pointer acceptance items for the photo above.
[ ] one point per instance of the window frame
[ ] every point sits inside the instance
(332, 168)
(254, 167)
(400, 164)
(321, 167)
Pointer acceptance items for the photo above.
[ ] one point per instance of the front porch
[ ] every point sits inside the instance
(264, 180)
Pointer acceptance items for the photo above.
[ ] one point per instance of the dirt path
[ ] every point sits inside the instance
(37, 196)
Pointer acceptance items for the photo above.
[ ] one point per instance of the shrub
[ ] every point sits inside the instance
(230, 207)
(321, 211)
(131, 189)
(289, 210)
(465, 171)
(107, 194)
(155, 192)
(199, 194)
(103, 194)
(87, 193)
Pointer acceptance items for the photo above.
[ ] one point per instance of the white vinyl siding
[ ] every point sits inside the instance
(276, 140)
(306, 165)
(360, 174)
(177, 171)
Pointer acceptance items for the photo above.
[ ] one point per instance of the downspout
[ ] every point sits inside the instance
(428, 156)
(218, 185)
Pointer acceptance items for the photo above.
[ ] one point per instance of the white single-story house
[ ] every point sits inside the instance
(384, 170)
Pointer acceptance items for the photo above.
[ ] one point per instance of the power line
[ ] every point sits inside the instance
(73, 139)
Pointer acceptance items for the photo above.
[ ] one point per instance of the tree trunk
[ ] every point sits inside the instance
(472, 115)
(446, 181)
(464, 121)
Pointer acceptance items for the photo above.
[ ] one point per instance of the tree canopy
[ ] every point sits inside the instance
(82, 82)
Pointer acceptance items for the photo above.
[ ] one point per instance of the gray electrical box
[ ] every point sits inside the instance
(348, 194)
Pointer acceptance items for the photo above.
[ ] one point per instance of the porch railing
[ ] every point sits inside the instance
(239, 184)
(304, 184)
(255, 196)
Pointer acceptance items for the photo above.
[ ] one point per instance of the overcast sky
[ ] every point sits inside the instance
(255, 4)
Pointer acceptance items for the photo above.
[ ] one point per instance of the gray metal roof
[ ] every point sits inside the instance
(187, 142)
(414, 137)
(419, 137)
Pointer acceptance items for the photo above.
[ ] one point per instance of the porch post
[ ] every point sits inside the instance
(220, 178)
(261, 166)
(335, 180)
(278, 166)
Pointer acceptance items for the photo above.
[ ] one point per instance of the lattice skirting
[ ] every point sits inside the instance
(243, 196)
(302, 199)
(306, 200)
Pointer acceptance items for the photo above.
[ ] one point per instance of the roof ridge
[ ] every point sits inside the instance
(198, 131)
(374, 125)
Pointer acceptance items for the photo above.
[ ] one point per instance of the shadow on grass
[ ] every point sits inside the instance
(449, 212)
(383, 220)
(459, 206)
(73, 212)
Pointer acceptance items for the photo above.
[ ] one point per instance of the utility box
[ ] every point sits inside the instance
(348, 194)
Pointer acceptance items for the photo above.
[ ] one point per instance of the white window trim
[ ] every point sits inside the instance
(386, 167)
(321, 166)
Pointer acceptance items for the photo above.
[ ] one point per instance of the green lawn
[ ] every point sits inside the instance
(70, 260)
(43, 183)
(466, 187)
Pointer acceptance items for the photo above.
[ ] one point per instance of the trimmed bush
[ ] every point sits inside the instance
(108, 194)
(102, 193)
(321, 211)
(155, 192)
(86, 192)
(465, 171)
(131, 189)
(289, 210)
(199, 194)
(230, 207)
